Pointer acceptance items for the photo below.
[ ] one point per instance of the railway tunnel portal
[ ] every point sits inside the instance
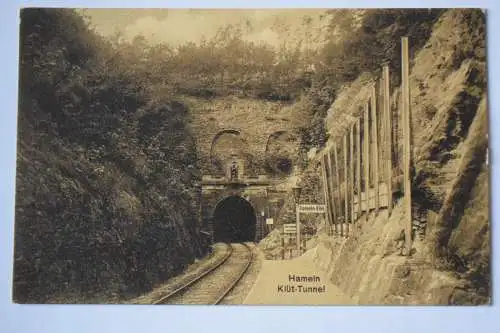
(236, 210)
(246, 148)
(241, 188)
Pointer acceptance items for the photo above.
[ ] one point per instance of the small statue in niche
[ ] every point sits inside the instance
(234, 171)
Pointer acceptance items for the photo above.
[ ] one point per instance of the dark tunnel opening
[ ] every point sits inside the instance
(234, 221)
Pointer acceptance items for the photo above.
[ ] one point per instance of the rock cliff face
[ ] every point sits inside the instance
(450, 184)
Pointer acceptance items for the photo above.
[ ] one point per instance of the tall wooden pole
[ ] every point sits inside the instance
(358, 164)
(405, 87)
(351, 174)
(337, 179)
(375, 147)
(297, 217)
(388, 135)
(326, 194)
(382, 136)
(366, 140)
(332, 187)
(382, 130)
(346, 188)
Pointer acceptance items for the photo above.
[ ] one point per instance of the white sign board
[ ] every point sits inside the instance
(312, 208)
(290, 228)
(269, 221)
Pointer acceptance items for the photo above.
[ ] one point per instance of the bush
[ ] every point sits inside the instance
(106, 169)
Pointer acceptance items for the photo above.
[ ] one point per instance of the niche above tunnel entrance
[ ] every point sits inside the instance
(234, 221)
(227, 146)
(281, 153)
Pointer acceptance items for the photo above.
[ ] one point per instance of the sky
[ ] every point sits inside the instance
(177, 26)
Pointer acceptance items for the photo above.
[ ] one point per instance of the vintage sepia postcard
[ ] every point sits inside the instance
(252, 156)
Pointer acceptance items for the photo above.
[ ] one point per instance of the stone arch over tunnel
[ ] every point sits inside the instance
(228, 145)
(234, 220)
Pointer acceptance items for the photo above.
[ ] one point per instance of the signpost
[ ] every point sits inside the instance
(312, 208)
(269, 221)
(307, 209)
(289, 228)
(296, 190)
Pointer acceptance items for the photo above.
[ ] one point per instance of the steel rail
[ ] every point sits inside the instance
(239, 277)
(183, 287)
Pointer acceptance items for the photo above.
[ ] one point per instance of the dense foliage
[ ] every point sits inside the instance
(361, 42)
(106, 163)
(105, 195)
(310, 66)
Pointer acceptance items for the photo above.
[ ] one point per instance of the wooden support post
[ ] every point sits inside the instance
(346, 188)
(351, 175)
(283, 248)
(332, 187)
(375, 148)
(358, 164)
(405, 88)
(297, 217)
(366, 141)
(382, 136)
(380, 106)
(326, 193)
(388, 137)
(324, 184)
(337, 179)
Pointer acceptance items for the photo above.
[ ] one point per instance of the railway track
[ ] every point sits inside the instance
(213, 285)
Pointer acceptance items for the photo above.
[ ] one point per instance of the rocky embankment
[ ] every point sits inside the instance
(451, 260)
(105, 201)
